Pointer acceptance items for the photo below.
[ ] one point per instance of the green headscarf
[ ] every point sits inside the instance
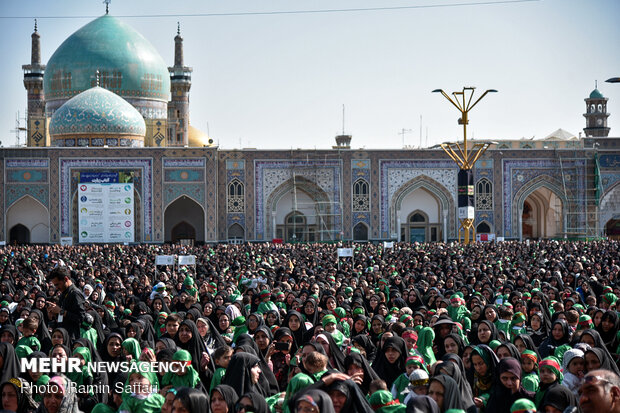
(79, 377)
(133, 348)
(190, 379)
(382, 401)
(425, 345)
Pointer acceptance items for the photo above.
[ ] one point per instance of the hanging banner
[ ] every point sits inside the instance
(99, 177)
(106, 212)
(466, 194)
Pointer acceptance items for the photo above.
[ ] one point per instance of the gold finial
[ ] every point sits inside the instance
(178, 28)
(35, 25)
(97, 77)
(107, 6)
(596, 84)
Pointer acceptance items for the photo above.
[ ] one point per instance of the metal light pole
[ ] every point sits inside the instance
(465, 158)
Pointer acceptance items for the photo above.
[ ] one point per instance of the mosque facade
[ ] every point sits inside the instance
(106, 103)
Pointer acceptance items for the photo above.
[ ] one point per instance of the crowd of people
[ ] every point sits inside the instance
(490, 327)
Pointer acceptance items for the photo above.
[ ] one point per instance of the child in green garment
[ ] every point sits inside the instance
(29, 329)
(550, 373)
(181, 374)
(402, 382)
(221, 356)
(131, 349)
(529, 366)
(83, 378)
(141, 394)
(87, 330)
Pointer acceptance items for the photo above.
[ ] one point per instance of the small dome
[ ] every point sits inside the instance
(197, 138)
(128, 63)
(97, 111)
(595, 94)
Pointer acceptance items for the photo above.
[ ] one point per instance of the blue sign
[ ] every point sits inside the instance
(99, 177)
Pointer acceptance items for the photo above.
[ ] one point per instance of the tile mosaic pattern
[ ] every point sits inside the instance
(97, 110)
(523, 176)
(395, 174)
(269, 175)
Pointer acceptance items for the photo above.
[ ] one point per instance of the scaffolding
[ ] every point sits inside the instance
(320, 218)
(579, 217)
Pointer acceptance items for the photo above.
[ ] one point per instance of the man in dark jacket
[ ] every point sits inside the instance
(70, 308)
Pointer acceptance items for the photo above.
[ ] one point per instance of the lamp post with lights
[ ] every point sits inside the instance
(465, 158)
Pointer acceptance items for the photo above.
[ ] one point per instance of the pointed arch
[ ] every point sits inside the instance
(19, 234)
(483, 227)
(184, 209)
(609, 206)
(540, 206)
(33, 215)
(319, 214)
(360, 232)
(361, 196)
(447, 209)
(484, 195)
(236, 233)
(235, 197)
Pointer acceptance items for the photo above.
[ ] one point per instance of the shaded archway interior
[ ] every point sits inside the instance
(236, 233)
(360, 232)
(612, 229)
(542, 215)
(182, 214)
(19, 234)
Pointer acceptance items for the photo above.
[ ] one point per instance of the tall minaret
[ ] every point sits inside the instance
(33, 82)
(596, 115)
(178, 107)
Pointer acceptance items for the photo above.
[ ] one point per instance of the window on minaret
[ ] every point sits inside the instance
(235, 202)
(484, 195)
(361, 196)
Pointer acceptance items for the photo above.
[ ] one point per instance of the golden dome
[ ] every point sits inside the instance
(197, 138)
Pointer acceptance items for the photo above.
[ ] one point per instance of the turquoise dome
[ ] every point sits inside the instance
(128, 64)
(94, 112)
(595, 94)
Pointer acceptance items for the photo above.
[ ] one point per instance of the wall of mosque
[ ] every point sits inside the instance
(251, 192)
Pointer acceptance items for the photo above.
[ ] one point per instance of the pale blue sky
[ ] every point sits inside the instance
(279, 81)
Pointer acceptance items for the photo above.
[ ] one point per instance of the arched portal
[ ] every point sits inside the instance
(542, 214)
(236, 233)
(187, 218)
(301, 208)
(19, 234)
(360, 232)
(419, 217)
(32, 215)
(610, 211)
(483, 228)
(430, 197)
(612, 229)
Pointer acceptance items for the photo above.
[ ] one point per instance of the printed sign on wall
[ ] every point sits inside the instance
(106, 212)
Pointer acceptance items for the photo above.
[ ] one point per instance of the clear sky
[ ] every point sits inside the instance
(280, 80)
